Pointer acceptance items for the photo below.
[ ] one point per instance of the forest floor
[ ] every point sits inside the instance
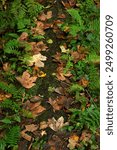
(59, 107)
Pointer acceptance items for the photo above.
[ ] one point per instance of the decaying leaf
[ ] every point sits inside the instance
(63, 49)
(6, 67)
(84, 82)
(37, 47)
(28, 128)
(4, 95)
(39, 29)
(57, 124)
(37, 60)
(26, 136)
(43, 125)
(27, 81)
(60, 73)
(44, 17)
(36, 108)
(85, 136)
(23, 36)
(73, 141)
(31, 127)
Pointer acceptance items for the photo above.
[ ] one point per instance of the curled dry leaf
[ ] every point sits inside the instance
(37, 60)
(73, 141)
(57, 124)
(27, 81)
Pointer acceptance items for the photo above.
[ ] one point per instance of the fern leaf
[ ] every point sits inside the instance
(12, 137)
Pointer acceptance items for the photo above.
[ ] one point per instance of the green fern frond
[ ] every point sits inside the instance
(12, 136)
(11, 47)
(8, 88)
(9, 104)
(2, 144)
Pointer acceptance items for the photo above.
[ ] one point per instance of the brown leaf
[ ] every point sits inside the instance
(36, 108)
(31, 128)
(39, 29)
(86, 135)
(60, 73)
(49, 14)
(37, 47)
(26, 136)
(44, 17)
(6, 67)
(43, 125)
(84, 82)
(4, 95)
(27, 81)
(54, 104)
(23, 36)
(61, 16)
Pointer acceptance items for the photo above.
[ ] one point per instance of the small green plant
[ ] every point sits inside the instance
(88, 118)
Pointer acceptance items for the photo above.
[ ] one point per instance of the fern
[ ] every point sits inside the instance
(12, 136)
(2, 144)
(9, 104)
(88, 118)
(19, 14)
(11, 47)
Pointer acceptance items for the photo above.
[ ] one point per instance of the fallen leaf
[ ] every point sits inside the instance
(54, 104)
(23, 36)
(37, 47)
(43, 133)
(73, 141)
(57, 124)
(63, 49)
(27, 81)
(60, 73)
(61, 16)
(49, 14)
(37, 60)
(39, 29)
(31, 128)
(43, 125)
(26, 136)
(6, 67)
(36, 108)
(86, 135)
(84, 82)
(4, 95)
(44, 17)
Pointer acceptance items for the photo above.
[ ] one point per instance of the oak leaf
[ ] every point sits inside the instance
(27, 81)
